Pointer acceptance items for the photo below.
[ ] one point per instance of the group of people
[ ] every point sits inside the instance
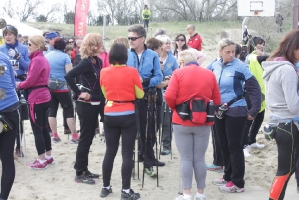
(145, 77)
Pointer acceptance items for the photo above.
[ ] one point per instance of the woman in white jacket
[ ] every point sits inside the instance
(281, 81)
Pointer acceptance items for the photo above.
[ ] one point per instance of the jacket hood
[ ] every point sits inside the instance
(270, 66)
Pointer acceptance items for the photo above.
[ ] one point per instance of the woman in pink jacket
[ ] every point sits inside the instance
(39, 99)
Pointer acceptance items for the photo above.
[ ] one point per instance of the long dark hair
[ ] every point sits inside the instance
(255, 41)
(287, 46)
(184, 47)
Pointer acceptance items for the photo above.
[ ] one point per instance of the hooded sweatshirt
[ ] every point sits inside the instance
(281, 81)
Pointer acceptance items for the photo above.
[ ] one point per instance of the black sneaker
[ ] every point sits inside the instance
(158, 163)
(131, 195)
(91, 175)
(105, 192)
(84, 179)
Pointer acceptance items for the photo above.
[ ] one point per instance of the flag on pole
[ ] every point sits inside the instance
(81, 15)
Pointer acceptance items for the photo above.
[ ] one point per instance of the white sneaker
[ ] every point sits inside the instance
(200, 196)
(182, 197)
(246, 151)
(219, 181)
(257, 145)
(230, 187)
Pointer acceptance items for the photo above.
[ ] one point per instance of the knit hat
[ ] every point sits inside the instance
(51, 35)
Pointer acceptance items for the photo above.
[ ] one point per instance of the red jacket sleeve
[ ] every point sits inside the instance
(216, 93)
(171, 93)
(33, 74)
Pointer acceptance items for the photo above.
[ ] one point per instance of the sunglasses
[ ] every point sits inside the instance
(9, 28)
(182, 40)
(134, 38)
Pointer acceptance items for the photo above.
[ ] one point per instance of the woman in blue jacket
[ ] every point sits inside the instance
(168, 64)
(9, 121)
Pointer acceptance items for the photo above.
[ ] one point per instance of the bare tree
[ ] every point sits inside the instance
(7, 8)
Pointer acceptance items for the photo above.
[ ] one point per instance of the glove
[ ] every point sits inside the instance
(146, 82)
(13, 53)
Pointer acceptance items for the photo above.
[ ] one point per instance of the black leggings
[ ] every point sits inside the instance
(88, 117)
(115, 127)
(39, 124)
(229, 131)
(65, 100)
(252, 128)
(287, 139)
(7, 141)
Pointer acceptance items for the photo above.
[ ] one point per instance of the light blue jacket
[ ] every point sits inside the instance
(7, 83)
(148, 66)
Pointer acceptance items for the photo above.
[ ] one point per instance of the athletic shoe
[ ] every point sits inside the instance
(219, 181)
(246, 151)
(91, 175)
(51, 134)
(158, 163)
(105, 192)
(55, 139)
(50, 161)
(37, 165)
(74, 141)
(257, 145)
(181, 197)
(212, 167)
(230, 187)
(67, 131)
(150, 171)
(165, 152)
(200, 196)
(129, 196)
(19, 153)
(84, 179)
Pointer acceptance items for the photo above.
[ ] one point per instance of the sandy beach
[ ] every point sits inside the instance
(57, 181)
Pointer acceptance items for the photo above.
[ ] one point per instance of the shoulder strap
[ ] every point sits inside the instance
(234, 100)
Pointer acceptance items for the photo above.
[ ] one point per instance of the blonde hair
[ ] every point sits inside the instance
(122, 40)
(187, 56)
(163, 38)
(39, 41)
(225, 42)
(91, 44)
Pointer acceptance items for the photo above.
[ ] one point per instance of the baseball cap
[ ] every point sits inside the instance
(51, 35)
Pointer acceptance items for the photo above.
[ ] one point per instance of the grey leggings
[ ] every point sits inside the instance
(192, 143)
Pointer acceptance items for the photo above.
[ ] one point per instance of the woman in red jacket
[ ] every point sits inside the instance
(39, 100)
(191, 138)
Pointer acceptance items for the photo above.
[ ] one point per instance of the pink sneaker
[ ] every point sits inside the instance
(50, 161)
(37, 165)
(230, 187)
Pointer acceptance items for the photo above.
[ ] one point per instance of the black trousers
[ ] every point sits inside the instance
(147, 133)
(145, 23)
(252, 128)
(217, 152)
(230, 131)
(39, 124)
(115, 127)
(7, 141)
(287, 140)
(88, 117)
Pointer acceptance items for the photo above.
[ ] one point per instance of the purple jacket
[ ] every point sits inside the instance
(38, 75)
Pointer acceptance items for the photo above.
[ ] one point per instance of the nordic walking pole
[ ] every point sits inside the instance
(162, 124)
(136, 139)
(154, 117)
(138, 134)
(170, 130)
